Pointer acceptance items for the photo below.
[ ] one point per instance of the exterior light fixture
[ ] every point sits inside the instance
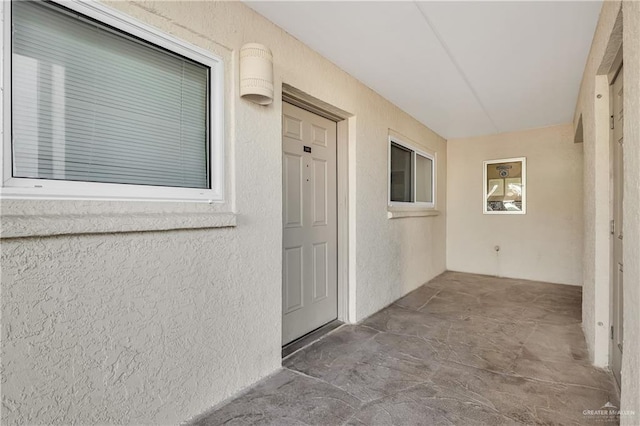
(256, 73)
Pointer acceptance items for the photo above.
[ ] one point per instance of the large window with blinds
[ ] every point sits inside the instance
(100, 105)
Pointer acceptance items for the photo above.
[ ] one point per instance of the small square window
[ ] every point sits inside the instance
(411, 175)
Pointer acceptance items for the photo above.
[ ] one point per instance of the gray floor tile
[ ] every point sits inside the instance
(563, 372)
(369, 369)
(460, 304)
(462, 349)
(556, 342)
(286, 398)
(522, 399)
(417, 298)
(426, 405)
(400, 320)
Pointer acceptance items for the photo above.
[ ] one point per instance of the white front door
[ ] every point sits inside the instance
(309, 256)
(617, 165)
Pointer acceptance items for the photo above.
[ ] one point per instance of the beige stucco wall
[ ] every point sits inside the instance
(595, 112)
(631, 357)
(544, 244)
(596, 192)
(156, 327)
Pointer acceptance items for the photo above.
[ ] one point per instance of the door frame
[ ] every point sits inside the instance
(344, 147)
(612, 75)
(599, 322)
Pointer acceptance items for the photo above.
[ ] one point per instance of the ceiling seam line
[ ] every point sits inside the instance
(457, 66)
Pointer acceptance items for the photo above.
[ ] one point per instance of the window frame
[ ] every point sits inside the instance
(28, 188)
(485, 164)
(414, 151)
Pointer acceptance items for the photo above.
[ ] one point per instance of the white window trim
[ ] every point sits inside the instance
(21, 188)
(524, 185)
(416, 206)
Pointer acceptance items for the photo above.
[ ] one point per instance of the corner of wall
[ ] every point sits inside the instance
(595, 119)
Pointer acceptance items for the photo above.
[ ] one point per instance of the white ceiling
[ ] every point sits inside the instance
(461, 68)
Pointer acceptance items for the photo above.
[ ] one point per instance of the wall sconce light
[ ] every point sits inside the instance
(256, 73)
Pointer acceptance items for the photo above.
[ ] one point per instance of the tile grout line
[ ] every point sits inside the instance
(524, 343)
(430, 299)
(351, 417)
(533, 379)
(416, 385)
(300, 373)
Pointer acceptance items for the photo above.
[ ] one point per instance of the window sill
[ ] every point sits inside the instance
(43, 225)
(398, 212)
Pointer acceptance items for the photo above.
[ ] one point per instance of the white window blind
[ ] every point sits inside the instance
(92, 104)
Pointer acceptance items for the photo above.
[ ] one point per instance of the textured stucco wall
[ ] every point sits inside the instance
(544, 244)
(631, 357)
(594, 113)
(156, 327)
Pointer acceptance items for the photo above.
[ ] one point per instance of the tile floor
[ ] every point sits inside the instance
(462, 349)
